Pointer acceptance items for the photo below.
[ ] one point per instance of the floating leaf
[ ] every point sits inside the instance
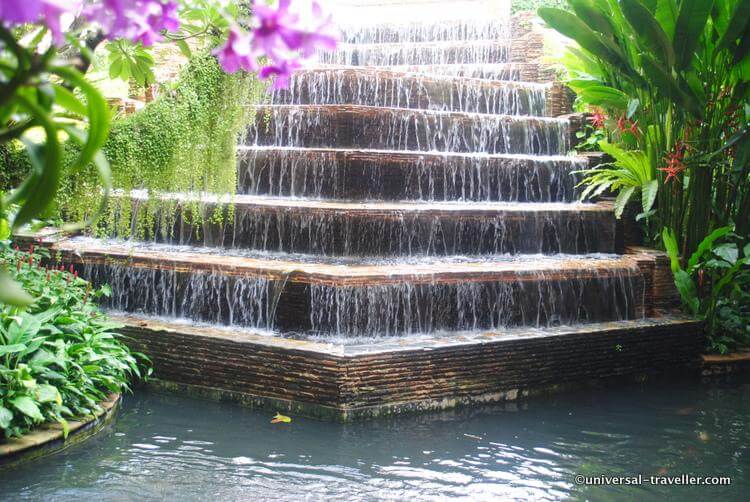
(279, 418)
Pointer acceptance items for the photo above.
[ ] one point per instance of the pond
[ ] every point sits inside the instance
(170, 447)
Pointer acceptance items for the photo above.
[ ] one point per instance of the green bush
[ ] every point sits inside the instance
(184, 141)
(60, 357)
(525, 5)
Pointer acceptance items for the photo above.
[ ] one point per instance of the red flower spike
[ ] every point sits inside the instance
(598, 119)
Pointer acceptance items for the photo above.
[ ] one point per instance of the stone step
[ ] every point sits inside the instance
(366, 380)
(399, 32)
(421, 53)
(369, 229)
(521, 72)
(368, 299)
(398, 89)
(400, 175)
(365, 127)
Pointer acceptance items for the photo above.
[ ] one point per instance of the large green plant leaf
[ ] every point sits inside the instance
(666, 84)
(705, 246)
(691, 21)
(604, 96)
(572, 27)
(666, 15)
(11, 293)
(738, 23)
(648, 30)
(591, 14)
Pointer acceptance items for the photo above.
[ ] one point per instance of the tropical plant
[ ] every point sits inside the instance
(630, 173)
(714, 285)
(60, 357)
(670, 79)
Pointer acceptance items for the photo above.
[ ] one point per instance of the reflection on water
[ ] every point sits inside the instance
(167, 447)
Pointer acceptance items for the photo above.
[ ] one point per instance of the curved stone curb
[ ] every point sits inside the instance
(48, 439)
(736, 362)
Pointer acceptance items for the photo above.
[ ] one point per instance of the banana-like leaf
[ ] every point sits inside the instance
(666, 84)
(648, 30)
(706, 245)
(666, 15)
(572, 27)
(738, 23)
(604, 96)
(590, 13)
(691, 21)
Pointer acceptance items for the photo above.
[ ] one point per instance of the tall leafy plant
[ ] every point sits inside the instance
(670, 79)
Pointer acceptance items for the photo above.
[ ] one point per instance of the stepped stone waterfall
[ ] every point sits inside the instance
(406, 234)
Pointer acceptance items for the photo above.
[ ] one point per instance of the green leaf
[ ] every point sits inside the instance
(6, 417)
(4, 229)
(666, 84)
(115, 68)
(184, 48)
(573, 27)
(622, 200)
(706, 244)
(633, 107)
(604, 96)
(686, 288)
(648, 194)
(590, 13)
(68, 100)
(647, 29)
(691, 21)
(666, 15)
(738, 23)
(28, 407)
(12, 349)
(46, 393)
(670, 244)
(11, 293)
(727, 252)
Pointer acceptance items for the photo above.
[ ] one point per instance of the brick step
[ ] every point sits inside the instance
(516, 72)
(376, 229)
(400, 175)
(399, 32)
(379, 378)
(421, 53)
(398, 89)
(368, 299)
(351, 126)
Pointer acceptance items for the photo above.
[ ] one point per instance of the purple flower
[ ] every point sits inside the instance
(139, 20)
(281, 72)
(281, 31)
(237, 53)
(47, 12)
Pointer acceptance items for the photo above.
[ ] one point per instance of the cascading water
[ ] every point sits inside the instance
(410, 184)
(380, 175)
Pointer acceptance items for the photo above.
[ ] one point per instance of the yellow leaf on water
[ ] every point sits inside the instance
(279, 418)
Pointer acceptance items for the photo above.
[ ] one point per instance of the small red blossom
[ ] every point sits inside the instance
(624, 124)
(598, 119)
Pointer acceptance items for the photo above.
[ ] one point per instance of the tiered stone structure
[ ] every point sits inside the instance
(406, 235)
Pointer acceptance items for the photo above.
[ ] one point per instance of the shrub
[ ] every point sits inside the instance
(60, 357)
